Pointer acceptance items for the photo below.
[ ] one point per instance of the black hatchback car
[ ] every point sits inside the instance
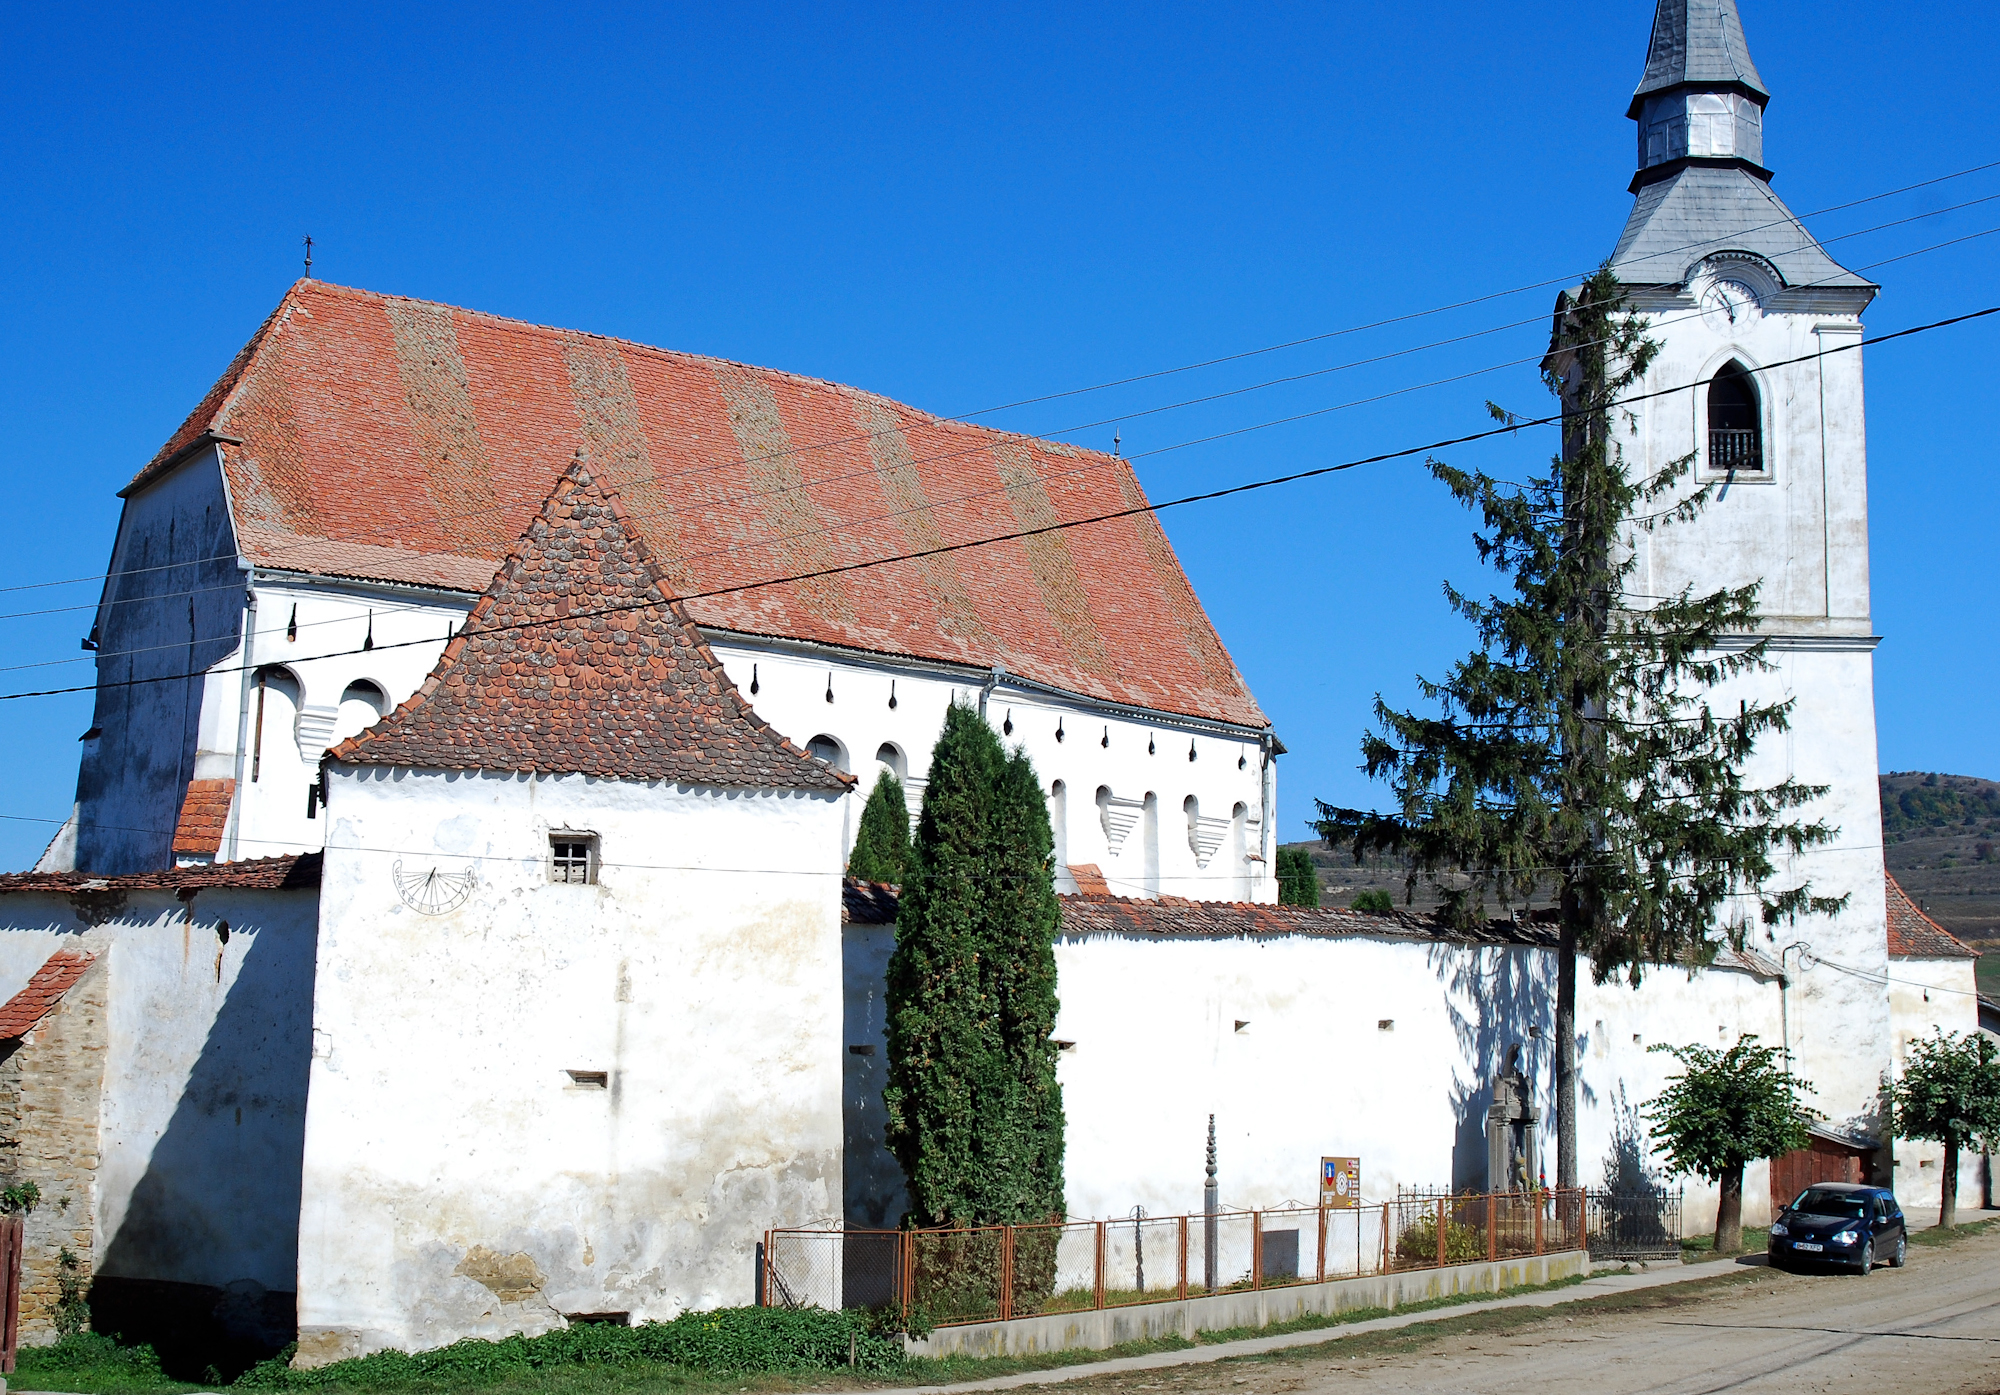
(1840, 1223)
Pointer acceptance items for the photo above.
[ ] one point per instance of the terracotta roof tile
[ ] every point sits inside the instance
(402, 440)
(575, 661)
(256, 874)
(56, 977)
(1174, 916)
(204, 812)
(1089, 879)
(1914, 935)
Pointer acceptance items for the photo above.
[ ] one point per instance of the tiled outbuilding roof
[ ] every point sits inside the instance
(56, 977)
(379, 437)
(204, 812)
(867, 903)
(1914, 935)
(575, 661)
(256, 874)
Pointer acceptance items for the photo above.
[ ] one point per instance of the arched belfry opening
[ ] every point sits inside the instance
(1735, 421)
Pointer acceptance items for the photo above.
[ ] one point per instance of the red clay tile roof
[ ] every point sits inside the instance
(575, 661)
(56, 977)
(1914, 935)
(407, 441)
(256, 874)
(204, 811)
(1173, 916)
(1089, 879)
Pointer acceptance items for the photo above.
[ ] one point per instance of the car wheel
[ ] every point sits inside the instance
(1902, 1254)
(1867, 1263)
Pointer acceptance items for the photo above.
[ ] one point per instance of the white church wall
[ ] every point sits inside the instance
(171, 606)
(204, 1096)
(1382, 1048)
(1128, 755)
(1927, 995)
(458, 1180)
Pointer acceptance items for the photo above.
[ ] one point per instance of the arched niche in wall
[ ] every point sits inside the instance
(1239, 852)
(1150, 838)
(1059, 823)
(274, 718)
(362, 705)
(828, 749)
(890, 757)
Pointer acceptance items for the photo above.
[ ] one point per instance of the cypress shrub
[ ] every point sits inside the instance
(882, 846)
(1298, 878)
(975, 1113)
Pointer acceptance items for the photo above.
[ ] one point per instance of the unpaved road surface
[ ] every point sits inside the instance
(1932, 1328)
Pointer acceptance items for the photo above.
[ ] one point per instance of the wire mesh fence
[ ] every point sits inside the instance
(992, 1273)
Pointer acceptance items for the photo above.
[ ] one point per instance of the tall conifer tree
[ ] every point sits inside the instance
(1574, 752)
(975, 1113)
(882, 845)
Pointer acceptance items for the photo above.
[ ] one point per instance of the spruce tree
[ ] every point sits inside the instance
(882, 845)
(1574, 753)
(975, 1113)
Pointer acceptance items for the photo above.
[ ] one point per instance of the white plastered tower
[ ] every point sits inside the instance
(1749, 309)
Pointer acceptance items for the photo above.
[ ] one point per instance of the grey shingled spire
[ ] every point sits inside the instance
(1702, 184)
(1698, 43)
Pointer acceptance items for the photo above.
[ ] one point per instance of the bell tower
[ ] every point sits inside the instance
(1762, 329)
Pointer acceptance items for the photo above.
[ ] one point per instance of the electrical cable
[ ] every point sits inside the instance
(851, 524)
(1206, 496)
(966, 417)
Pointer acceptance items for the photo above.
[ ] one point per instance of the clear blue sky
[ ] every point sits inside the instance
(963, 208)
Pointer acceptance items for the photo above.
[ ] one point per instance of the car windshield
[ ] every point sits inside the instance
(1817, 1201)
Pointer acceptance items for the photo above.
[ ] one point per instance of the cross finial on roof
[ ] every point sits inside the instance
(309, 256)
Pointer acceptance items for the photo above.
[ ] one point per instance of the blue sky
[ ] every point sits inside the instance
(964, 207)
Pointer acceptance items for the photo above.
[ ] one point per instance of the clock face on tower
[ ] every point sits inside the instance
(1729, 305)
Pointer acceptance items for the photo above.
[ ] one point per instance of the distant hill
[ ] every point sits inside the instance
(1940, 835)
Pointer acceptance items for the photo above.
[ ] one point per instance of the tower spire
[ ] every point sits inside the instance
(1701, 100)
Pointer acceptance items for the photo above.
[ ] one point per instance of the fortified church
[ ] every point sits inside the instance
(450, 936)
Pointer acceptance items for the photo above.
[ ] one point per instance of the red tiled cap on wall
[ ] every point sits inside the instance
(204, 812)
(374, 436)
(1914, 935)
(575, 661)
(56, 977)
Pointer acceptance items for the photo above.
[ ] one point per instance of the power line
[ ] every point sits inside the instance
(1190, 367)
(779, 539)
(1207, 496)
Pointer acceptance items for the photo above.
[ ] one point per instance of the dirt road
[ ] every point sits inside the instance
(1932, 1328)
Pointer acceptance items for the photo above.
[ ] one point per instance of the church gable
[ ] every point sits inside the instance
(575, 660)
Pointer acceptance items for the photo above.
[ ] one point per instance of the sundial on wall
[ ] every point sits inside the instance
(432, 890)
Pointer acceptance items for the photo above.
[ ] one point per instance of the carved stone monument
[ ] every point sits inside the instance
(1510, 1129)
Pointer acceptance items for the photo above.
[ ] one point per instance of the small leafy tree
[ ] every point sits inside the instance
(1298, 878)
(1574, 753)
(882, 846)
(1949, 1094)
(975, 1111)
(1374, 900)
(1724, 1110)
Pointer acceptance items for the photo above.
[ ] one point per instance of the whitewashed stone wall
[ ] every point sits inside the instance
(1927, 995)
(459, 1181)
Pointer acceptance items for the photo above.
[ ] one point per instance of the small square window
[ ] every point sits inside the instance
(573, 857)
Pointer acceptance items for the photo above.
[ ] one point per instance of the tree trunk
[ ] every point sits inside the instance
(1729, 1213)
(1566, 1056)
(1948, 1184)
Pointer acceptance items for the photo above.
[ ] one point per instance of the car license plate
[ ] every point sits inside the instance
(1808, 1245)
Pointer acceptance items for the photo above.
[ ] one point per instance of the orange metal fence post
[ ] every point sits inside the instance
(1492, 1227)
(1183, 1289)
(1388, 1255)
(1256, 1250)
(1441, 1226)
(1539, 1203)
(1006, 1272)
(1321, 1271)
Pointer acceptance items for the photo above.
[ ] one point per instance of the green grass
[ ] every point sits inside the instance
(1698, 1249)
(1938, 1235)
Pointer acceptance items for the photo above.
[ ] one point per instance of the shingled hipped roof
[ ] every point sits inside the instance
(1914, 935)
(372, 436)
(575, 661)
(253, 874)
(1698, 43)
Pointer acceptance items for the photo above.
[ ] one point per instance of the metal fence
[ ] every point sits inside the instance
(1634, 1225)
(992, 1273)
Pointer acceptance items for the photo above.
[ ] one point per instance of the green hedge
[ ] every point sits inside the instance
(725, 1339)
